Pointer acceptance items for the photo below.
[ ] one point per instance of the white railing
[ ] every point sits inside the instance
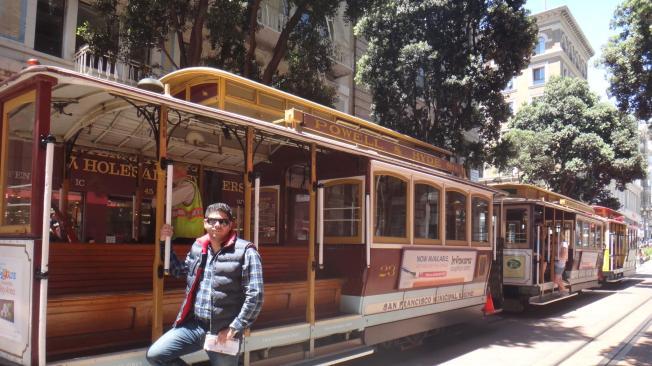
(104, 67)
(271, 17)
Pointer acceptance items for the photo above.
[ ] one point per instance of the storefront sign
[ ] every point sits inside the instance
(588, 260)
(355, 136)
(423, 267)
(15, 295)
(100, 171)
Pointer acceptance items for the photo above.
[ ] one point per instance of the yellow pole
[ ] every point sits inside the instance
(310, 310)
(157, 281)
(249, 168)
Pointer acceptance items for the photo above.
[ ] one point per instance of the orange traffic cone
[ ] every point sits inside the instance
(488, 308)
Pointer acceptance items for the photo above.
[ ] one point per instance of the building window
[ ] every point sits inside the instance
(119, 220)
(49, 26)
(538, 76)
(426, 212)
(455, 216)
(510, 85)
(541, 46)
(512, 107)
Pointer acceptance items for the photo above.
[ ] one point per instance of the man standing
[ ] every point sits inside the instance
(224, 291)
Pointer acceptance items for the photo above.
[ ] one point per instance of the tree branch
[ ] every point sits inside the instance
(253, 27)
(282, 43)
(167, 54)
(196, 34)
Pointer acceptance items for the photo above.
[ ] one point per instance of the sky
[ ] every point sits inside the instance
(593, 17)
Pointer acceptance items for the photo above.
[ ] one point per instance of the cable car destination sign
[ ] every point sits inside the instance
(304, 121)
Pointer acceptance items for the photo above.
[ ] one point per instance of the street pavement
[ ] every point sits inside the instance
(611, 325)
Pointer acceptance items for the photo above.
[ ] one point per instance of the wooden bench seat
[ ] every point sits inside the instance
(100, 295)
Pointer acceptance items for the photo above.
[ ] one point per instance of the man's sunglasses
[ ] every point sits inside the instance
(212, 221)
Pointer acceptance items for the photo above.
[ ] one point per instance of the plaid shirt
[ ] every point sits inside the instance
(252, 283)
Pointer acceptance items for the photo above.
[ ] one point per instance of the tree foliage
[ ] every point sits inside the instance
(222, 33)
(628, 58)
(436, 69)
(575, 144)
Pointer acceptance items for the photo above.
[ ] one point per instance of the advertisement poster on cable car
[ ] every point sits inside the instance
(15, 286)
(514, 266)
(588, 260)
(517, 266)
(425, 268)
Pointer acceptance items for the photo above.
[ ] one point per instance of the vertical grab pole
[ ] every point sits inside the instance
(45, 247)
(612, 249)
(368, 231)
(168, 215)
(157, 278)
(310, 304)
(248, 180)
(320, 224)
(538, 256)
(495, 236)
(256, 209)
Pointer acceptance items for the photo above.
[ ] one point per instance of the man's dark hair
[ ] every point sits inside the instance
(222, 207)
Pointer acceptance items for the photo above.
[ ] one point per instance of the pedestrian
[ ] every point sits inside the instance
(221, 301)
(560, 267)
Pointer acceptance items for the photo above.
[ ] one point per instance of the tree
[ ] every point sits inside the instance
(628, 58)
(222, 33)
(575, 144)
(436, 69)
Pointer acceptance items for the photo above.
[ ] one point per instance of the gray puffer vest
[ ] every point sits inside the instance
(227, 292)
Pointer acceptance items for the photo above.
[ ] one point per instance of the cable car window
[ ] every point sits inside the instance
(343, 210)
(479, 219)
(578, 234)
(598, 237)
(517, 222)
(586, 229)
(426, 211)
(391, 206)
(455, 216)
(17, 130)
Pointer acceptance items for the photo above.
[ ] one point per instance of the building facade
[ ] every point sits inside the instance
(562, 49)
(46, 30)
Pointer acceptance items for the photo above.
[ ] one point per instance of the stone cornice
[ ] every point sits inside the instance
(563, 13)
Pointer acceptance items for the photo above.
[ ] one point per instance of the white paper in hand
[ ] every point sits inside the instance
(220, 344)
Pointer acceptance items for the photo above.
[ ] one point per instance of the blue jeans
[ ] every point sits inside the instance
(183, 340)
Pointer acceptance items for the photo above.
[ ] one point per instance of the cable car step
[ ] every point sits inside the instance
(333, 359)
(616, 280)
(550, 298)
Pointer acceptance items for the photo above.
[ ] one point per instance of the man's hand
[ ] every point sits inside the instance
(166, 231)
(226, 335)
(231, 334)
